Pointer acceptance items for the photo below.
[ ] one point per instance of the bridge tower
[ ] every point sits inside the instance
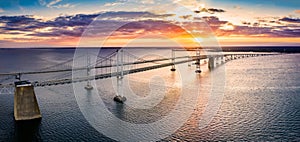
(120, 98)
(173, 60)
(18, 76)
(198, 63)
(89, 84)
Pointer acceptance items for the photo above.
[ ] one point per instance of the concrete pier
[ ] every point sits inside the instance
(25, 103)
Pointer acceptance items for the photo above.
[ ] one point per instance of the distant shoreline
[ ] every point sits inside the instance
(281, 49)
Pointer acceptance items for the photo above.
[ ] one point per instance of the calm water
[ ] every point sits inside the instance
(261, 101)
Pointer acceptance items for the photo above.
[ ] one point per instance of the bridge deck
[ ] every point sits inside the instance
(114, 74)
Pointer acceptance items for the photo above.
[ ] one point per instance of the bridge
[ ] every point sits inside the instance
(117, 64)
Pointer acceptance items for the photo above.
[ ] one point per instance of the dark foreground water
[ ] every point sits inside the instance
(261, 101)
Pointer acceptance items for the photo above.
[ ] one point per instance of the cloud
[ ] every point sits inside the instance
(147, 1)
(28, 23)
(216, 10)
(72, 21)
(297, 11)
(259, 31)
(246, 23)
(140, 23)
(213, 21)
(1, 10)
(201, 10)
(286, 32)
(56, 4)
(225, 28)
(251, 31)
(72, 25)
(237, 7)
(64, 6)
(112, 4)
(15, 33)
(209, 10)
(186, 17)
(42, 2)
(188, 3)
(291, 20)
(149, 27)
(60, 32)
(17, 23)
(132, 15)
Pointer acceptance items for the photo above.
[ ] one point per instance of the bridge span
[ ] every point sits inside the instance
(117, 64)
(213, 61)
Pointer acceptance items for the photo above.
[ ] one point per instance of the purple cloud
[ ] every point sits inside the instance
(254, 29)
(59, 26)
(75, 25)
(291, 20)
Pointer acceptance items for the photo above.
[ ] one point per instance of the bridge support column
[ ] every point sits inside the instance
(173, 61)
(25, 103)
(222, 60)
(190, 62)
(89, 84)
(120, 98)
(198, 61)
(211, 63)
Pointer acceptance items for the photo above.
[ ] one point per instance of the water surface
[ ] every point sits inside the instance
(261, 101)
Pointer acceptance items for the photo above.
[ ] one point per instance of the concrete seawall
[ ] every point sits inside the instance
(25, 104)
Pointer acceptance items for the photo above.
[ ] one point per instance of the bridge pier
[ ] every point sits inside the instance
(198, 61)
(89, 84)
(25, 103)
(173, 61)
(211, 63)
(120, 98)
(219, 60)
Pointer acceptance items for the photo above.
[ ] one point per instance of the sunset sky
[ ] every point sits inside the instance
(61, 23)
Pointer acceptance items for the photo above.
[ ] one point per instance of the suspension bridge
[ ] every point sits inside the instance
(116, 64)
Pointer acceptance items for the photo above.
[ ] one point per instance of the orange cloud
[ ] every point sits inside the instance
(297, 11)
